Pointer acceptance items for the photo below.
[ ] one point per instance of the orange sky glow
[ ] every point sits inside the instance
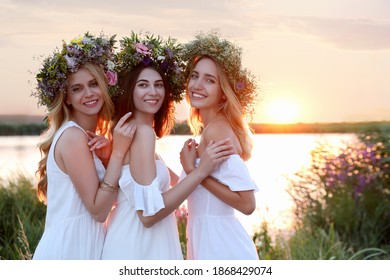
(326, 61)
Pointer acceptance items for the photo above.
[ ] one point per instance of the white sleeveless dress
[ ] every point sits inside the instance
(213, 231)
(127, 238)
(70, 231)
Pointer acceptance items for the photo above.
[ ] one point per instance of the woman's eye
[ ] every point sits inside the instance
(94, 84)
(75, 89)
(160, 85)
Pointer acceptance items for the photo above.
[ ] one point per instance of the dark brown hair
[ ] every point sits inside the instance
(163, 119)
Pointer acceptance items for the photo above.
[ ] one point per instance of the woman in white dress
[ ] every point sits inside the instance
(73, 181)
(142, 225)
(220, 93)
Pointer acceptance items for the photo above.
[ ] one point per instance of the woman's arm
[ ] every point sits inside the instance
(243, 201)
(142, 156)
(73, 156)
(213, 155)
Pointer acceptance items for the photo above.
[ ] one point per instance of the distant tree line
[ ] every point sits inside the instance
(21, 129)
(181, 128)
(343, 127)
(7, 129)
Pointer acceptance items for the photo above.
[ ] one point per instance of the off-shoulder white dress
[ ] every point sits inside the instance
(70, 231)
(127, 238)
(213, 231)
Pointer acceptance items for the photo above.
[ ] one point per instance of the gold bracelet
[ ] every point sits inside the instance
(107, 187)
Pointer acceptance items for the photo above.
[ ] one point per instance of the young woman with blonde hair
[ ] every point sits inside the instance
(78, 187)
(221, 93)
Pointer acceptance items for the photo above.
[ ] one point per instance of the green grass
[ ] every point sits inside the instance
(22, 222)
(21, 219)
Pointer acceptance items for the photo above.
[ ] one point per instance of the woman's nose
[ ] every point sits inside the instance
(198, 83)
(153, 90)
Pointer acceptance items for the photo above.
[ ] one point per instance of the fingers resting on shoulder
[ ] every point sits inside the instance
(221, 148)
(124, 128)
(188, 155)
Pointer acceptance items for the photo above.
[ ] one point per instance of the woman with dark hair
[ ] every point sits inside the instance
(142, 225)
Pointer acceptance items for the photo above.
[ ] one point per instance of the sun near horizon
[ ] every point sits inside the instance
(281, 111)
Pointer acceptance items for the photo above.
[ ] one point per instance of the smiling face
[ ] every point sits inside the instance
(84, 93)
(204, 87)
(149, 92)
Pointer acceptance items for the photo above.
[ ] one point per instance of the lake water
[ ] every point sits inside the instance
(274, 157)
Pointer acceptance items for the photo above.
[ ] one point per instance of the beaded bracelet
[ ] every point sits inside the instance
(107, 187)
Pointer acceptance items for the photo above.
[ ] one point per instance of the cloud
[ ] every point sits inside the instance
(172, 17)
(351, 34)
(241, 19)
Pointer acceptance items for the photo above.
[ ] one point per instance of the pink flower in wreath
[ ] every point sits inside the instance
(141, 48)
(112, 78)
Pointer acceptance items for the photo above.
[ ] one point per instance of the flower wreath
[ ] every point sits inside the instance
(52, 77)
(228, 55)
(154, 51)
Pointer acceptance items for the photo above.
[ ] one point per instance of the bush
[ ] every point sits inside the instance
(346, 193)
(267, 249)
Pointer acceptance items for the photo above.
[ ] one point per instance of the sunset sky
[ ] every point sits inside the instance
(317, 61)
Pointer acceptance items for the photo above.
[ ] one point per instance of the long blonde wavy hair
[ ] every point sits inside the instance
(60, 113)
(229, 107)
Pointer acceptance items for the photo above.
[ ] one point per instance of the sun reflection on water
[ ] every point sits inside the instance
(274, 158)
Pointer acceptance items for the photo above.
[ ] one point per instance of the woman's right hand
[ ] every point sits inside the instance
(123, 135)
(188, 155)
(215, 154)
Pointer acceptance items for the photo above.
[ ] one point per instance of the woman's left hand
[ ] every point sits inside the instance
(100, 145)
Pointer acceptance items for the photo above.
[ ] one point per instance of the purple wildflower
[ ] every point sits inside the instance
(164, 66)
(147, 61)
(70, 49)
(240, 85)
(169, 52)
(71, 61)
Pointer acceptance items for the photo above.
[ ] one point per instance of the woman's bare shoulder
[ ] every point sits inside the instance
(221, 129)
(145, 132)
(218, 129)
(144, 140)
(73, 136)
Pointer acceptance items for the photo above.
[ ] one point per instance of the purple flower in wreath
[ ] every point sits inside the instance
(86, 41)
(164, 66)
(71, 61)
(70, 49)
(147, 61)
(169, 53)
(99, 51)
(240, 85)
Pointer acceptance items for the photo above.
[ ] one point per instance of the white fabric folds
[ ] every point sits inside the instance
(147, 198)
(234, 173)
